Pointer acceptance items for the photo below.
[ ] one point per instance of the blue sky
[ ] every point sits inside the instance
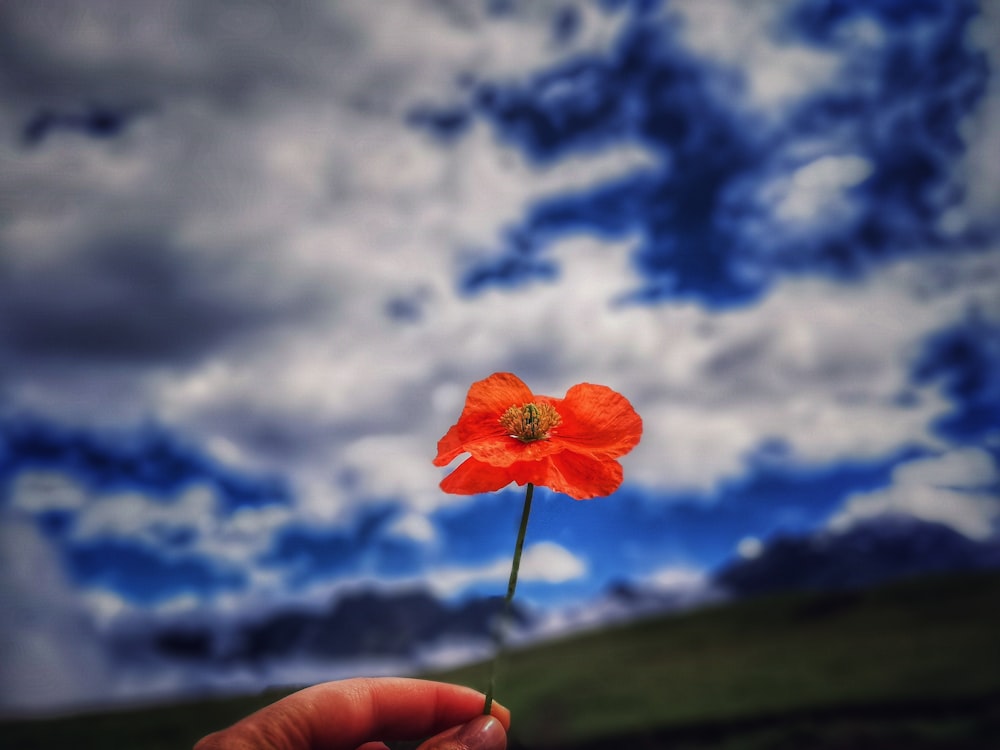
(250, 262)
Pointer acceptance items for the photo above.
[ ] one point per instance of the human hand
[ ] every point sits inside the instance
(358, 714)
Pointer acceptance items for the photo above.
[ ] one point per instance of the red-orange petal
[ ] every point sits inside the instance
(485, 403)
(472, 477)
(582, 477)
(573, 474)
(598, 421)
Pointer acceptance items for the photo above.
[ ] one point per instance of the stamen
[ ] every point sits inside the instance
(530, 422)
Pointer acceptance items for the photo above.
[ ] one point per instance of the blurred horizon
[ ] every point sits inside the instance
(251, 259)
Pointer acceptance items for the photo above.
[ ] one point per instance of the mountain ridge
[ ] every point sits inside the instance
(411, 623)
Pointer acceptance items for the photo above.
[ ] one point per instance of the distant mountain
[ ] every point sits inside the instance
(623, 601)
(358, 625)
(404, 624)
(867, 554)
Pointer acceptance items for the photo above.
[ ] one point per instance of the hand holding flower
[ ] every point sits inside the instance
(570, 445)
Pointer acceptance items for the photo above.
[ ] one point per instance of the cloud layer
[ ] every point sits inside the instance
(251, 261)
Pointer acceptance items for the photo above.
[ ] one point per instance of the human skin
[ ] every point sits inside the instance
(359, 714)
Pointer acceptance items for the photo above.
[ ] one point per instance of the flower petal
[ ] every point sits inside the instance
(578, 457)
(504, 450)
(485, 403)
(472, 477)
(598, 421)
(581, 477)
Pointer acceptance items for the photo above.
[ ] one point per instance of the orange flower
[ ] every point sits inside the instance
(569, 444)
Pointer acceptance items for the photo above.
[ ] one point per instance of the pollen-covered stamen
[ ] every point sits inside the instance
(530, 422)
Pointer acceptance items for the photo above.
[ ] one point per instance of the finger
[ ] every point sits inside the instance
(344, 715)
(482, 733)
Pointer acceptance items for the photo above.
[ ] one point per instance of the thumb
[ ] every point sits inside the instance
(482, 733)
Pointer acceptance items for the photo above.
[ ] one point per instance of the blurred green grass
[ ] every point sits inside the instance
(932, 646)
(915, 665)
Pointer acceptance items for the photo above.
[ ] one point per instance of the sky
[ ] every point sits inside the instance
(252, 255)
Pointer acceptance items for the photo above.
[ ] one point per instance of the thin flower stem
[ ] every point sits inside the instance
(501, 624)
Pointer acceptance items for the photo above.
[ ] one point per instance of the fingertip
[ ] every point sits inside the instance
(481, 733)
(502, 714)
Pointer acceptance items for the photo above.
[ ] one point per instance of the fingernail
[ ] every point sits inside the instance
(483, 733)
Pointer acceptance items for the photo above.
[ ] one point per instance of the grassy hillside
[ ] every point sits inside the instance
(913, 665)
(921, 654)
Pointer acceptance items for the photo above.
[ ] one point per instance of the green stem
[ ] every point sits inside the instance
(498, 630)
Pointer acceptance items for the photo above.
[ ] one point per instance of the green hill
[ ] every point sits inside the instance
(920, 658)
(914, 665)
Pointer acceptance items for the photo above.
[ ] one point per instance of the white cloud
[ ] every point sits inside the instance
(51, 654)
(415, 527)
(678, 578)
(956, 489)
(981, 134)
(544, 562)
(816, 190)
(338, 202)
(749, 547)
(818, 364)
(966, 467)
(449, 580)
(550, 563)
(41, 491)
(746, 39)
(145, 519)
(189, 523)
(105, 607)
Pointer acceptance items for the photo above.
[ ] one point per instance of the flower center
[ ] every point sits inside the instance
(530, 422)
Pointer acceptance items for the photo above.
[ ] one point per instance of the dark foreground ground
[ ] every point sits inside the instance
(914, 665)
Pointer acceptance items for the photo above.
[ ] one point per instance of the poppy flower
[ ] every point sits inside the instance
(570, 445)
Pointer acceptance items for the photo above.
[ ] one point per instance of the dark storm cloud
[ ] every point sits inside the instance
(706, 215)
(133, 298)
(92, 120)
(59, 53)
